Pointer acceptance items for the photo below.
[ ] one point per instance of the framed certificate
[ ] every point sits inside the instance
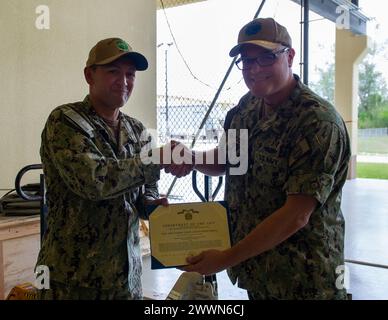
(185, 229)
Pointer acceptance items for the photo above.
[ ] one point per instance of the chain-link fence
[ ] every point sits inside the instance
(180, 120)
(189, 74)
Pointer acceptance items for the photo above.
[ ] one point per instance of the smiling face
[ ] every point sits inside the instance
(111, 85)
(269, 81)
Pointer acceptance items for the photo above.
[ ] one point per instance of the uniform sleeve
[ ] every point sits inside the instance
(85, 170)
(150, 192)
(315, 159)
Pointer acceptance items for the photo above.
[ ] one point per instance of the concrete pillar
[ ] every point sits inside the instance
(349, 51)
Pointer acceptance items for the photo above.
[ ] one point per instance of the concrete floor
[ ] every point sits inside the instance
(365, 207)
(157, 284)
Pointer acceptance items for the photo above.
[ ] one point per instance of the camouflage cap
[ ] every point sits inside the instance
(263, 32)
(109, 50)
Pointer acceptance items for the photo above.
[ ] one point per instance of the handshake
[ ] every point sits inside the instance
(176, 158)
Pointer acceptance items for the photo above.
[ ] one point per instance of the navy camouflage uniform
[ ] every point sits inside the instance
(301, 148)
(95, 192)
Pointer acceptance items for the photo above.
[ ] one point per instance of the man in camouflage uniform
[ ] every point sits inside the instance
(286, 222)
(97, 184)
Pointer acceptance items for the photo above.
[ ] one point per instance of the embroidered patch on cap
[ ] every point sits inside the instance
(122, 45)
(253, 29)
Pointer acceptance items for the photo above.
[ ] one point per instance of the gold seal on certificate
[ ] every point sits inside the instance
(185, 229)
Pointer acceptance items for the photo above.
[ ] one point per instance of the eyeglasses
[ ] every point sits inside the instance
(263, 60)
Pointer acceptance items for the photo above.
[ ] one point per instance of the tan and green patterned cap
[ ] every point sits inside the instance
(109, 50)
(263, 32)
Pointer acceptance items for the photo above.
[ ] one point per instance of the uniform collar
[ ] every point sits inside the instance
(281, 115)
(126, 131)
(88, 103)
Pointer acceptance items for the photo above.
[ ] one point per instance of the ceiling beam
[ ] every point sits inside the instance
(174, 3)
(333, 10)
(340, 11)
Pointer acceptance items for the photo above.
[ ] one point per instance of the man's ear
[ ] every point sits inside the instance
(290, 57)
(88, 73)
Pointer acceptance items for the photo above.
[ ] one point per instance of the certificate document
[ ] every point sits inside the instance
(185, 229)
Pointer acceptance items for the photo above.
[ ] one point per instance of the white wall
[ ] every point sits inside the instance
(41, 69)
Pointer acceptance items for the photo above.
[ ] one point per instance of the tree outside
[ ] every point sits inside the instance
(372, 111)
(373, 104)
(373, 97)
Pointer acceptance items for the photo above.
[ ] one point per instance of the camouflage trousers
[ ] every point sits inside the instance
(60, 291)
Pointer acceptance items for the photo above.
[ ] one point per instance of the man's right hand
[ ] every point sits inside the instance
(176, 159)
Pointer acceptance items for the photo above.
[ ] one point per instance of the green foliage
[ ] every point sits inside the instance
(372, 170)
(376, 117)
(372, 87)
(325, 85)
(373, 96)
